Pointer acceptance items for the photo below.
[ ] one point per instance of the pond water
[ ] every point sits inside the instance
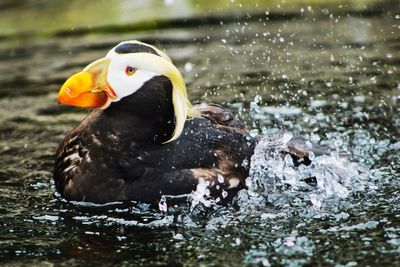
(330, 75)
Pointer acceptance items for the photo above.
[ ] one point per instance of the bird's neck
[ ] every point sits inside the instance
(147, 116)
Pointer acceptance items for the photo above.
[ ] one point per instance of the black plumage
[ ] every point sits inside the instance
(120, 153)
(128, 47)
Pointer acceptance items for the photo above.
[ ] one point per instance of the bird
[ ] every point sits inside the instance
(144, 139)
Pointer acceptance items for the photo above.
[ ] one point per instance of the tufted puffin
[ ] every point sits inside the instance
(145, 139)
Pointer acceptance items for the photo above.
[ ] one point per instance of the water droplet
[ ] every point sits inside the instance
(237, 241)
(249, 182)
(188, 67)
(162, 204)
(245, 163)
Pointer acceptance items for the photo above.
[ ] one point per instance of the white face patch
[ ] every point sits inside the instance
(123, 84)
(148, 65)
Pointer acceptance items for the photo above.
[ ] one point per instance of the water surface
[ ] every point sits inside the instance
(328, 74)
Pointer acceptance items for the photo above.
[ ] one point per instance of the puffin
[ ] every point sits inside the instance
(144, 139)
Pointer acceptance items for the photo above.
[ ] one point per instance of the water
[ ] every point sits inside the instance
(328, 75)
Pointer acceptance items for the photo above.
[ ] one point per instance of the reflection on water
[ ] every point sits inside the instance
(321, 74)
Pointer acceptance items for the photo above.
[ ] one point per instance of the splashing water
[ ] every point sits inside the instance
(328, 175)
(276, 179)
(201, 195)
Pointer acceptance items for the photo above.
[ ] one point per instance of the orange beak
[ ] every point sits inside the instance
(88, 88)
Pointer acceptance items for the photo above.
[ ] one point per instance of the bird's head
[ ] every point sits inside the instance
(121, 73)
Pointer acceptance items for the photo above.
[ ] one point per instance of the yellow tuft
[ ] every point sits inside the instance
(182, 105)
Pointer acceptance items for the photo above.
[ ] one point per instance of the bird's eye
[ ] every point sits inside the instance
(130, 71)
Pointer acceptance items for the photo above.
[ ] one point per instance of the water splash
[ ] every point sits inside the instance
(329, 174)
(201, 195)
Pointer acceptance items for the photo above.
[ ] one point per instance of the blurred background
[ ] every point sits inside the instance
(38, 17)
(327, 70)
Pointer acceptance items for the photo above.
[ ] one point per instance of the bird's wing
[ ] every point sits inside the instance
(220, 116)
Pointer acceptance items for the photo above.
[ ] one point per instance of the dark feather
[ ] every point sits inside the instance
(118, 153)
(126, 48)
